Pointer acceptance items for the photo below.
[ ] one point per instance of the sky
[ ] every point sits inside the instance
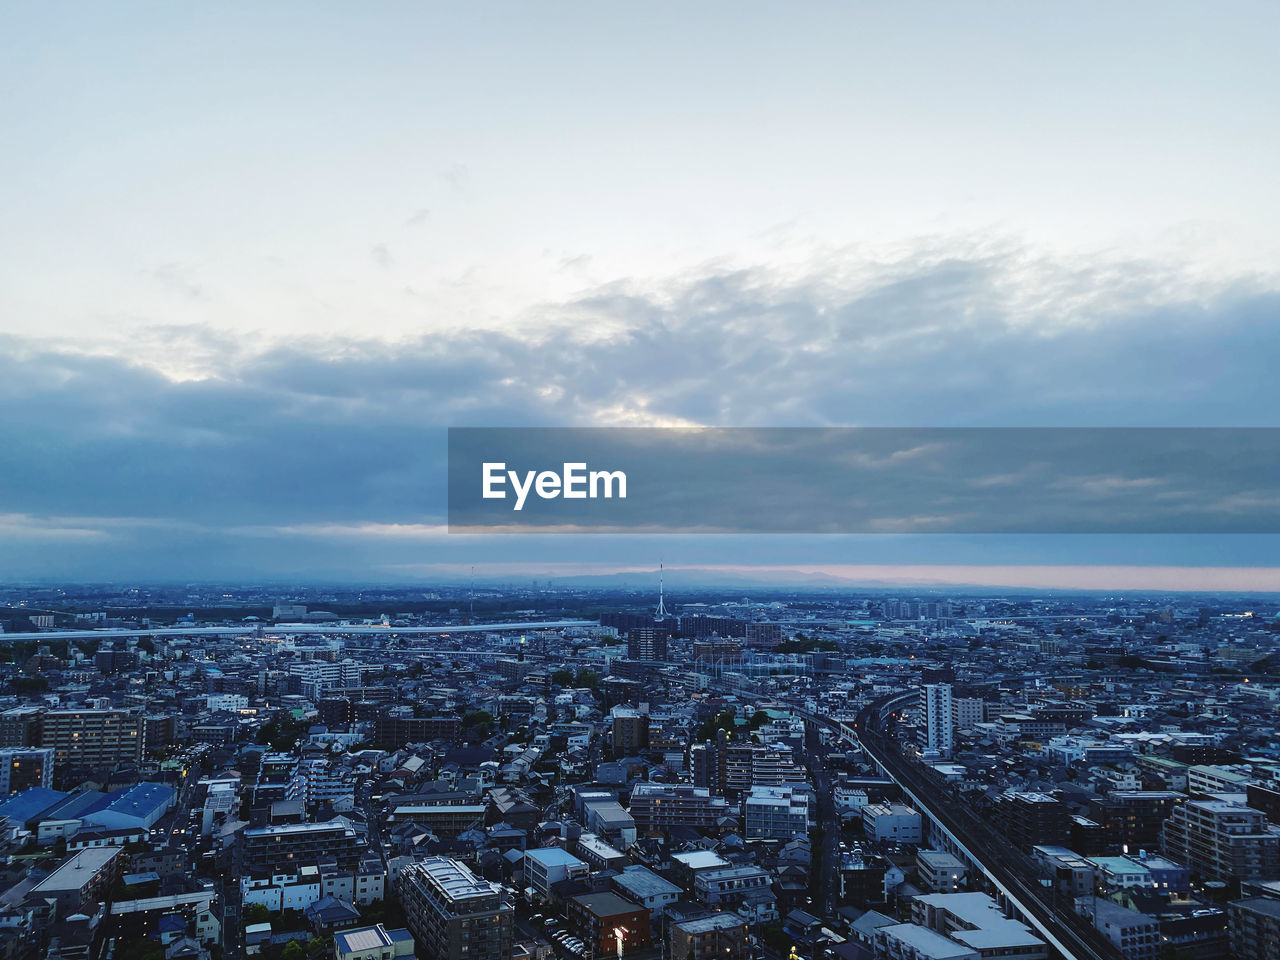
(258, 257)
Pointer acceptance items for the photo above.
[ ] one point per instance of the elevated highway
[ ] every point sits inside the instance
(288, 629)
(1005, 868)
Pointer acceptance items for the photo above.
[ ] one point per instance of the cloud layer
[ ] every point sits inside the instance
(313, 455)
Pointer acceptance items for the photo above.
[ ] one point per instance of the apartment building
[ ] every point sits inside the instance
(453, 914)
(1221, 840)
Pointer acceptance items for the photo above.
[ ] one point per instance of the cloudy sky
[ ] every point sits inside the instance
(257, 257)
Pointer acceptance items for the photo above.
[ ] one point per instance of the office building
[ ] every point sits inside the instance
(939, 871)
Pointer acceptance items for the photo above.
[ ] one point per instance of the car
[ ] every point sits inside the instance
(550, 922)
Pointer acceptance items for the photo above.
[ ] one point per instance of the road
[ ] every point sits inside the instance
(826, 858)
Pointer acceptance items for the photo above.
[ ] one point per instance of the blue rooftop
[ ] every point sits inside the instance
(138, 800)
(29, 804)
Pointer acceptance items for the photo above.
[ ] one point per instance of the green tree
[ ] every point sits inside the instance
(293, 950)
(562, 678)
(725, 720)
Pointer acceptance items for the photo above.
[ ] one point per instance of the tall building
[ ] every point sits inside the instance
(1133, 819)
(1222, 841)
(936, 707)
(762, 635)
(453, 914)
(630, 731)
(95, 738)
(647, 643)
(22, 768)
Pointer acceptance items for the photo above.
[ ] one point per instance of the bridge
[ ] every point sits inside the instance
(309, 629)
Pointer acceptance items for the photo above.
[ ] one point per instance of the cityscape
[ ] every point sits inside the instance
(559, 773)
(669, 481)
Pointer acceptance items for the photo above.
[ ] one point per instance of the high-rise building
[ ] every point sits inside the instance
(647, 643)
(727, 766)
(939, 729)
(453, 914)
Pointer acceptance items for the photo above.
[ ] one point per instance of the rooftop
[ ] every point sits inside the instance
(552, 857)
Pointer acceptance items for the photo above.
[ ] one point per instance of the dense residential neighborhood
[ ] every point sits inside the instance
(559, 774)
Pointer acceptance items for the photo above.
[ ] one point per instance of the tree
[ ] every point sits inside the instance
(293, 950)
(140, 948)
(562, 678)
(725, 720)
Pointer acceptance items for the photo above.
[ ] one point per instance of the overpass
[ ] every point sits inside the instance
(309, 629)
(967, 836)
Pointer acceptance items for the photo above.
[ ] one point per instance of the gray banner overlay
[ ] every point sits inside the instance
(864, 480)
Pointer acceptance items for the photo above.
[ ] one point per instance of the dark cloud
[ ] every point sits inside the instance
(352, 431)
